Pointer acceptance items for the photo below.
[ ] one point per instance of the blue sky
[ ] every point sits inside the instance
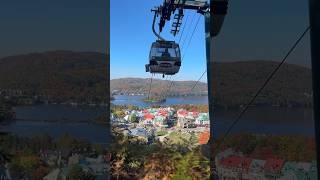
(131, 38)
(43, 25)
(253, 30)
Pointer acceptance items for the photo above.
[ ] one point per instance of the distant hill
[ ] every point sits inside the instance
(57, 76)
(235, 83)
(82, 77)
(159, 87)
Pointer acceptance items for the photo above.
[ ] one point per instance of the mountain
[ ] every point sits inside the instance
(235, 83)
(159, 87)
(56, 76)
(82, 77)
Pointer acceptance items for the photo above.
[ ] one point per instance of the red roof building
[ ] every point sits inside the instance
(163, 113)
(245, 164)
(148, 117)
(183, 113)
(195, 113)
(231, 162)
(273, 165)
(238, 162)
(204, 137)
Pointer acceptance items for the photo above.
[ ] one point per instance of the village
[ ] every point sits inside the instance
(66, 161)
(57, 164)
(235, 165)
(164, 124)
(167, 125)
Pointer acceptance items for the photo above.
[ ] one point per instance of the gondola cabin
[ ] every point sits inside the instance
(164, 58)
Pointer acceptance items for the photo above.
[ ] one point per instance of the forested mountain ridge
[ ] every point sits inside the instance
(235, 83)
(159, 86)
(82, 77)
(56, 76)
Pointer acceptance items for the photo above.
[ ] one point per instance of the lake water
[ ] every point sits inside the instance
(269, 120)
(31, 122)
(137, 100)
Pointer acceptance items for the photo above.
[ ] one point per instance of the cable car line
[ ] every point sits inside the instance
(269, 78)
(184, 27)
(169, 89)
(189, 42)
(196, 83)
(166, 90)
(150, 87)
(195, 28)
(186, 37)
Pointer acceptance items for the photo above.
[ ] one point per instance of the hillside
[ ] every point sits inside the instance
(57, 76)
(140, 85)
(82, 77)
(235, 83)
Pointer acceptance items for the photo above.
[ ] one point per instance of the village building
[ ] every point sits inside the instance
(273, 167)
(141, 133)
(202, 120)
(229, 167)
(148, 119)
(256, 169)
(204, 137)
(298, 170)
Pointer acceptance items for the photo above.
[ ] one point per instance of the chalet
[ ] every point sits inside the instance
(148, 119)
(195, 114)
(163, 113)
(160, 121)
(273, 167)
(202, 119)
(182, 113)
(140, 132)
(204, 137)
(312, 174)
(245, 168)
(257, 167)
(300, 170)
(226, 153)
(229, 167)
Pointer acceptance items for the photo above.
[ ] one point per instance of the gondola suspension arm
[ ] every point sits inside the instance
(153, 23)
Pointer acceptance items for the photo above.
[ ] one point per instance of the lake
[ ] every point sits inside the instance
(269, 120)
(137, 100)
(30, 122)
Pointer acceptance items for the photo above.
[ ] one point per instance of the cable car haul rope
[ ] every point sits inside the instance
(165, 56)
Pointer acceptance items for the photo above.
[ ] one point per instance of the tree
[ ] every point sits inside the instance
(134, 118)
(24, 165)
(119, 114)
(66, 141)
(40, 172)
(192, 166)
(77, 173)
